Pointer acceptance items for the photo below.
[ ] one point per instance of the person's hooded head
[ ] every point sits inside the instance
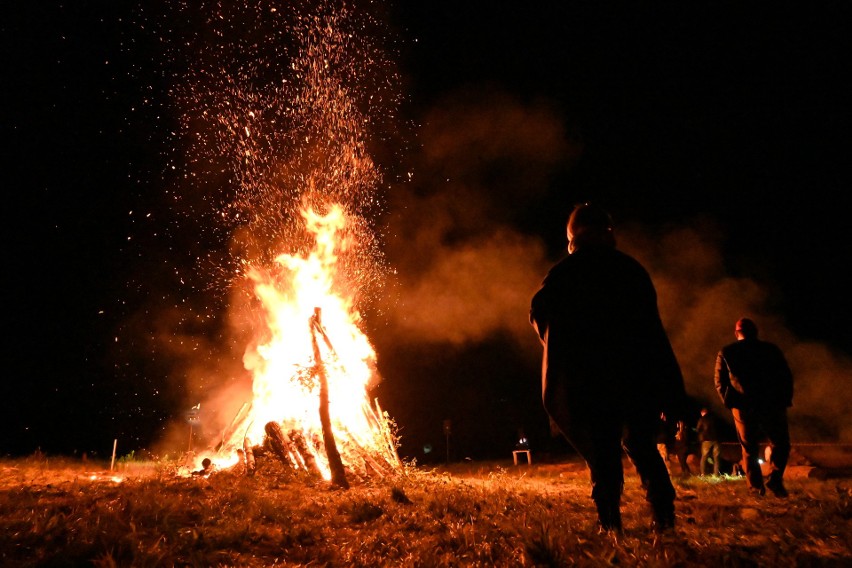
(589, 226)
(745, 329)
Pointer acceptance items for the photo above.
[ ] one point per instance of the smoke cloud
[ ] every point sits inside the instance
(466, 272)
(463, 270)
(700, 303)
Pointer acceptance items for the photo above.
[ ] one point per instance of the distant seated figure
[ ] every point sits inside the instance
(206, 467)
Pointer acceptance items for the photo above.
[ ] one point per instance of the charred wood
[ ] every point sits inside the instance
(248, 452)
(310, 463)
(278, 442)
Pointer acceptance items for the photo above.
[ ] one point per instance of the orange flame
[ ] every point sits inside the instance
(285, 386)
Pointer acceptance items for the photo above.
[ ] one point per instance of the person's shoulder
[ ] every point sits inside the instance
(558, 272)
(773, 347)
(728, 347)
(630, 266)
(561, 265)
(627, 258)
(597, 256)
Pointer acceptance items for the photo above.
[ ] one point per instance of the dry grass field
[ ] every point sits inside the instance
(57, 512)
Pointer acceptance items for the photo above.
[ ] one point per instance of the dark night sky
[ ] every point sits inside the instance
(723, 117)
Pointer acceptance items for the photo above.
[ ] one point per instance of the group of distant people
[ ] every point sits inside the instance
(706, 432)
(609, 373)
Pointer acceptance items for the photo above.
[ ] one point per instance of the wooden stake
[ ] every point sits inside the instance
(335, 464)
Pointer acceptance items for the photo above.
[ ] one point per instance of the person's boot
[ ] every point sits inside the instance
(755, 482)
(776, 484)
(609, 517)
(664, 518)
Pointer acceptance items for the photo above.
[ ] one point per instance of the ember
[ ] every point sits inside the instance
(304, 188)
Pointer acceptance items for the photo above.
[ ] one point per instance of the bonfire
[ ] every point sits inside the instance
(312, 373)
(293, 138)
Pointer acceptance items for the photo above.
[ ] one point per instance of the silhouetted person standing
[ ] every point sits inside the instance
(754, 380)
(709, 438)
(608, 370)
(681, 448)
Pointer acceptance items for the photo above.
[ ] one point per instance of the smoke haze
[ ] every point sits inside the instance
(464, 240)
(464, 273)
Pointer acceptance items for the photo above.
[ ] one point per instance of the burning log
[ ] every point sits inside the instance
(301, 446)
(280, 445)
(292, 450)
(368, 462)
(335, 464)
(251, 465)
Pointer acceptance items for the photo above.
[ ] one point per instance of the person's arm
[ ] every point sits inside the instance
(722, 379)
(543, 303)
(537, 313)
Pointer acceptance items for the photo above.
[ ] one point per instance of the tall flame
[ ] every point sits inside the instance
(280, 104)
(285, 367)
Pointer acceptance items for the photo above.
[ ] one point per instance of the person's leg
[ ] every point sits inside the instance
(775, 425)
(663, 450)
(597, 438)
(640, 445)
(715, 451)
(705, 455)
(748, 435)
(595, 432)
(683, 461)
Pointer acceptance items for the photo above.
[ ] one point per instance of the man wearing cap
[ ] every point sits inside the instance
(754, 381)
(608, 369)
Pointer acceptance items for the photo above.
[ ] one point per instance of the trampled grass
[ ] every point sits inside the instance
(64, 513)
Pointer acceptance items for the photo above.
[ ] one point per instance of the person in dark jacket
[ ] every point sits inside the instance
(710, 449)
(608, 370)
(754, 381)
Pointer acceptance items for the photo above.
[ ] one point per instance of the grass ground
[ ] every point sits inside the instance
(57, 512)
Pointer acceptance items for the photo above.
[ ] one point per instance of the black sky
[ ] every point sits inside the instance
(670, 117)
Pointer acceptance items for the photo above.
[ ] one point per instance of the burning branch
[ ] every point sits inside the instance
(335, 464)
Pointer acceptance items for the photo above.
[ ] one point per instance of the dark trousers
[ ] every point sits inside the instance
(753, 425)
(709, 450)
(600, 436)
(682, 453)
